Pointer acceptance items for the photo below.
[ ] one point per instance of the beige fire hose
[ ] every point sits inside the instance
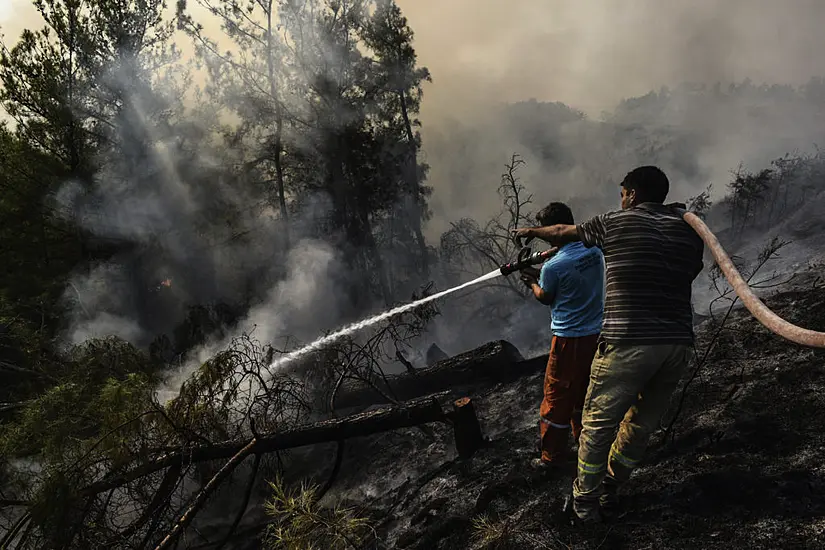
(758, 309)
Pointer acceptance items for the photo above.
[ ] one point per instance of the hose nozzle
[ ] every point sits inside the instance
(527, 258)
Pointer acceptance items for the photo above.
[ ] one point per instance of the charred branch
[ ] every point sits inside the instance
(358, 425)
(200, 501)
(497, 360)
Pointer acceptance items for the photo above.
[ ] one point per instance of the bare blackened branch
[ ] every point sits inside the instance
(213, 484)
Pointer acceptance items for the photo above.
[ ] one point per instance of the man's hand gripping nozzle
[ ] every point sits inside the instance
(527, 258)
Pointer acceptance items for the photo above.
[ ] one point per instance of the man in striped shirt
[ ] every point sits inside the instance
(651, 258)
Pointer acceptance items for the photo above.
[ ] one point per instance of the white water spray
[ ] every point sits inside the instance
(349, 329)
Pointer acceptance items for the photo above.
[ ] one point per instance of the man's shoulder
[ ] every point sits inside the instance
(644, 218)
(578, 251)
(557, 261)
(592, 251)
(560, 261)
(571, 257)
(603, 217)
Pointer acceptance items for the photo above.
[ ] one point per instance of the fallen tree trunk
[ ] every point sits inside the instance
(492, 361)
(405, 415)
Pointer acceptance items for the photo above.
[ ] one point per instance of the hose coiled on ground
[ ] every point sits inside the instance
(758, 309)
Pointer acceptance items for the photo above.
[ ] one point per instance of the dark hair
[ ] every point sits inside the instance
(649, 182)
(555, 213)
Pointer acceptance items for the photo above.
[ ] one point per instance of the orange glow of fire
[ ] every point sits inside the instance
(166, 282)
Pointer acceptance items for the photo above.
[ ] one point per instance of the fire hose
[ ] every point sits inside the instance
(758, 309)
(527, 258)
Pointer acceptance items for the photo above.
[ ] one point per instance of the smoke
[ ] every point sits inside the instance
(590, 56)
(188, 232)
(484, 56)
(295, 308)
(150, 206)
(100, 298)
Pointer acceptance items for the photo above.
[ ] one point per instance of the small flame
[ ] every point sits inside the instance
(166, 282)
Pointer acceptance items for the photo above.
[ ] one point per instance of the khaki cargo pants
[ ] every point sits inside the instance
(630, 390)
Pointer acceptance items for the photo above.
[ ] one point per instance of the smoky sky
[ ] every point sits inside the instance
(587, 53)
(590, 54)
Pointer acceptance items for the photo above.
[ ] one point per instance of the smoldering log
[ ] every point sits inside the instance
(405, 415)
(467, 430)
(497, 361)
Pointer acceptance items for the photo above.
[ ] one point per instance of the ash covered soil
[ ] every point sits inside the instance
(744, 467)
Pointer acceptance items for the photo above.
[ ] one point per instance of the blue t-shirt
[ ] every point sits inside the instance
(573, 280)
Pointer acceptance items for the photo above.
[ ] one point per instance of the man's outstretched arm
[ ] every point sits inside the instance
(591, 233)
(556, 235)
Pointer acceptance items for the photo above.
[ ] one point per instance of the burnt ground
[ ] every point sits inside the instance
(744, 468)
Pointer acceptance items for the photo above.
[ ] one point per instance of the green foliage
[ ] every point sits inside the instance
(105, 386)
(327, 94)
(233, 386)
(98, 415)
(38, 251)
(58, 88)
(55, 506)
(298, 522)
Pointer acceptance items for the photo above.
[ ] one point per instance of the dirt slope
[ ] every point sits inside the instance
(746, 468)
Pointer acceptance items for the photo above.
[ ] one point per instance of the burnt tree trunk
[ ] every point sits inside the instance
(279, 128)
(358, 425)
(413, 186)
(375, 256)
(498, 361)
(468, 438)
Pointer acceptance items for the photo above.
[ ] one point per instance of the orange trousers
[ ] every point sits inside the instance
(565, 385)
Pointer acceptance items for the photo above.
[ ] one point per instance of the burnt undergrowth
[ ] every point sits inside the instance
(741, 468)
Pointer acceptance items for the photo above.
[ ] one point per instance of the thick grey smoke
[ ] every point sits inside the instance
(295, 308)
(189, 233)
(484, 55)
(591, 55)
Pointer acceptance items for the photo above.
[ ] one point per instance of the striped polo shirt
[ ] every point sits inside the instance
(651, 258)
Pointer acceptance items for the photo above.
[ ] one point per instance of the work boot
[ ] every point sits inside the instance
(586, 505)
(587, 510)
(609, 500)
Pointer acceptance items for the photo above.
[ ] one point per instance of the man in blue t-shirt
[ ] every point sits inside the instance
(572, 284)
